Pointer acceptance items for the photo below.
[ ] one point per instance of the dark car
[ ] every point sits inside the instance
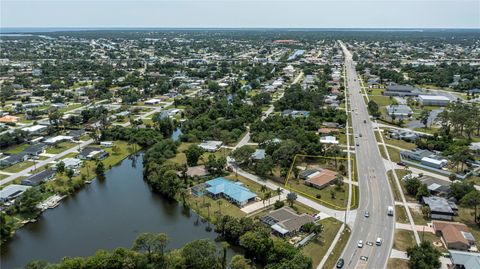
(340, 263)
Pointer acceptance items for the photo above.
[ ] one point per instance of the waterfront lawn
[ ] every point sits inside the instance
(210, 209)
(60, 147)
(403, 240)
(180, 157)
(63, 185)
(397, 264)
(317, 248)
(18, 167)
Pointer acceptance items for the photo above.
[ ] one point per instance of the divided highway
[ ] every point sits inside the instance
(375, 193)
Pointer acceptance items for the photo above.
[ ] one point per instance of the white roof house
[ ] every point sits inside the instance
(436, 163)
(210, 145)
(152, 101)
(328, 140)
(35, 129)
(12, 191)
(71, 163)
(58, 138)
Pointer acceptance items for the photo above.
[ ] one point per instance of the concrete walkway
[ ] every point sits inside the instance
(261, 204)
(418, 228)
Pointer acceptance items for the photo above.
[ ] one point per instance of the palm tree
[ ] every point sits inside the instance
(219, 203)
(268, 195)
(279, 192)
(208, 205)
(291, 197)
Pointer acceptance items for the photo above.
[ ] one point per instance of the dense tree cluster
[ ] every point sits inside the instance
(219, 119)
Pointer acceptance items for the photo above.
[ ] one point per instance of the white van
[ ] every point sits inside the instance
(390, 211)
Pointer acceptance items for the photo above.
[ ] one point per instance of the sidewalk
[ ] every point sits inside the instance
(419, 228)
(261, 205)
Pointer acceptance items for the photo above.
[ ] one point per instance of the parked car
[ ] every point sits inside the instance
(340, 263)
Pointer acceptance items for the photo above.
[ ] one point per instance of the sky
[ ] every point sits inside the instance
(241, 13)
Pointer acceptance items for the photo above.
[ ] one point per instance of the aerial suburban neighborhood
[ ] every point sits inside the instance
(240, 149)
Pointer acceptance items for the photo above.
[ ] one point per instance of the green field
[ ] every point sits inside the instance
(16, 149)
(316, 249)
(60, 147)
(403, 240)
(18, 167)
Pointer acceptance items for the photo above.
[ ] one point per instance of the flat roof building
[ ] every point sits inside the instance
(12, 191)
(433, 100)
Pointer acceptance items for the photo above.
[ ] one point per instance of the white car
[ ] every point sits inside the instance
(379, 241)
(367, 214)
(360, 244)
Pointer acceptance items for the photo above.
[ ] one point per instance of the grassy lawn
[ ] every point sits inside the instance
(393, 185)
(394, 154)
(418, 218)
(436, 241)
(316, 249)
(399, 143)
(70, 155)
(18, 167)
(60, 147)
(324, 196)
(335, 255)
(401, 214)
(381, 100)
(16, 149)
(180, 158)
(375, 91)
(403, 240)
(63, 185)
(217, 207)
(397, 264)
(426, 130)
(465, 216)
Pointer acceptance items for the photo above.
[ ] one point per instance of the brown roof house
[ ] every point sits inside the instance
(455, 235)
(318, 178)
(285, 221)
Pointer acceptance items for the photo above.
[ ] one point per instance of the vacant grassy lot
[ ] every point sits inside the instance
(397, 264)
(317, 248)
(403, 240)
(18, 167)
(211, 209)
(436, 241)
(399, 143)
(381, 100)
(394, 154)
(60, 147)
(16, 149)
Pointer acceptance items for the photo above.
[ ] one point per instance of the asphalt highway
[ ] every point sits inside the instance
(375, 193)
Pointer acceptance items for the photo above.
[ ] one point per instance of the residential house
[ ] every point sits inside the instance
(464, 259)
(210, 145)
(12, 159)
(39, 178)
(285, 221)
(295, 113)
(71, 163)
(455, 235)
(35, 129)
(57, 139)
(235, 192)
(319, 178)
(440, 208)
(259, 154)
(329, 139)
(12, 191)
(9, 119)
(92, 153)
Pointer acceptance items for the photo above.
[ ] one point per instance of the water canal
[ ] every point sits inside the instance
(103, 215)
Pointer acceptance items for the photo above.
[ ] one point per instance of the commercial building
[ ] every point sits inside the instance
(401, 90)
(433, 100)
